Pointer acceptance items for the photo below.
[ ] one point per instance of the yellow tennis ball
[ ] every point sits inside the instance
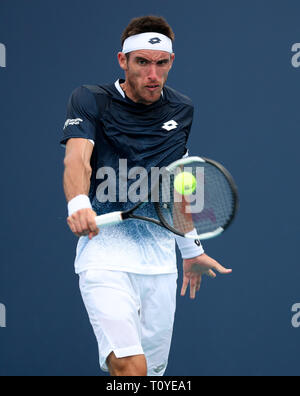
(185, 183)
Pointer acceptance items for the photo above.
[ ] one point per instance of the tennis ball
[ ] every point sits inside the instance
(185, 183)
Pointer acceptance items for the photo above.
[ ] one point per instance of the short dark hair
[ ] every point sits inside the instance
(149, 23)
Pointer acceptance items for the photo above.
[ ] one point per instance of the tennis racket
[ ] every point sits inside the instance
(203, 214)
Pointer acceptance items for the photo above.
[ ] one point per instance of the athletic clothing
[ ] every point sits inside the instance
(128, 271)
(145, 136)
(132, 246)
(136, 318)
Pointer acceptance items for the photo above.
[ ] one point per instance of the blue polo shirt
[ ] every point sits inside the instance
(145, 136)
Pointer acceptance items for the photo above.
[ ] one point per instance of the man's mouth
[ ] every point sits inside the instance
(152, 87)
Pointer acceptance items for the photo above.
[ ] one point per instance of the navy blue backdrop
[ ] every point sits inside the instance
(234, 59)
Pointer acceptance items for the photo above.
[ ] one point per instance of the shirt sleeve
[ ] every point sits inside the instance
(81, 116)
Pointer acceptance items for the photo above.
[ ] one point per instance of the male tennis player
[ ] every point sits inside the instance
(128, 271)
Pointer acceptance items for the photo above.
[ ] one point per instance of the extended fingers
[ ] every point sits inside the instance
(211, 274)
(199, 283)
(214, 265)
(222, 270)
(193, 286)
(195, 283)
(185, 284)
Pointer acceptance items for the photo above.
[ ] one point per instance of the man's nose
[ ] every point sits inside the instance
(152, 72)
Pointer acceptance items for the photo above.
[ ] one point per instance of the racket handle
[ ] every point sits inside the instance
(109, 218)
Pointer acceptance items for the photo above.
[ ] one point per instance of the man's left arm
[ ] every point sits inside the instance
(195, 262)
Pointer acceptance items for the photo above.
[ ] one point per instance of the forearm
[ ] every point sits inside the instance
(76, 178)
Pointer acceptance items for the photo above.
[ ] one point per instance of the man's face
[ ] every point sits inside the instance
(146, 73)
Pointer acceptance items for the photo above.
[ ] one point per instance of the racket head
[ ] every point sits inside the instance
(207, 212)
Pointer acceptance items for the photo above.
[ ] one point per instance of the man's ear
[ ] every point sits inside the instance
(122, 60)
(172, 59)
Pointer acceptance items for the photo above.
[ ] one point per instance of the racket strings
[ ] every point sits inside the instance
(216, 204)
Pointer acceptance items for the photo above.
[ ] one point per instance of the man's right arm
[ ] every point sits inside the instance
(77, 174)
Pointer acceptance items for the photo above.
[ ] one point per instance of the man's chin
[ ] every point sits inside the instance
(151, 97)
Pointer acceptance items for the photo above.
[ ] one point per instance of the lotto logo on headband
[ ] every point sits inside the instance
(155, 40)
(148, 41)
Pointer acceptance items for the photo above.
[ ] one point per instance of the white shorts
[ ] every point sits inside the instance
(131, 314)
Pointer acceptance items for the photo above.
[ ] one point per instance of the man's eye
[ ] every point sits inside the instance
(142, 62)
(163, 62)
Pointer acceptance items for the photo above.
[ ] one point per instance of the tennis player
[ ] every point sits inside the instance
(128, 272)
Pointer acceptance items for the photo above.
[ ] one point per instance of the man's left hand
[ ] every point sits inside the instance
(194, 268)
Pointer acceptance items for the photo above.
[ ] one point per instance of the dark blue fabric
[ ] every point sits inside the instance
(123, 129)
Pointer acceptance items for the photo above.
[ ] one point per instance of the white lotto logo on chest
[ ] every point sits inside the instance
(169, 125)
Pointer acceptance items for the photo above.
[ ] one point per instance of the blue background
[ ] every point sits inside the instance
(233, 58)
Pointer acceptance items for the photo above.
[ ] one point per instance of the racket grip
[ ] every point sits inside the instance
(109, 218)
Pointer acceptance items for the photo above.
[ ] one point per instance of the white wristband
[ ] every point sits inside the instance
(79, 202)
(189, 248)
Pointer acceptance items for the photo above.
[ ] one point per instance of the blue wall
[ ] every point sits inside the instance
(233, 58)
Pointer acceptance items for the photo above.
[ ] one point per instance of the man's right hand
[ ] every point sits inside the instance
(83, 223)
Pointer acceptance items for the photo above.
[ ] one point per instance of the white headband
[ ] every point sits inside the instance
(148, 41)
